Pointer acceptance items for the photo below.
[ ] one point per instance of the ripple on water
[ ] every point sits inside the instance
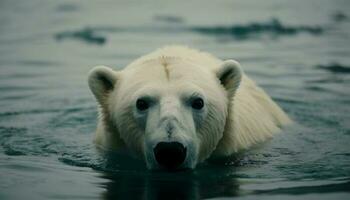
(87, 35)
(273, 27)
(335, 68)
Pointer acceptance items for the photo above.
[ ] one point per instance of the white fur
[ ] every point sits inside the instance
(237, 115)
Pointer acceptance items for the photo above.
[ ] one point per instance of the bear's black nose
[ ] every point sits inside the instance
(170, 154)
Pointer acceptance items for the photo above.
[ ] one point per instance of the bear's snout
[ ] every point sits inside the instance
(170, 155)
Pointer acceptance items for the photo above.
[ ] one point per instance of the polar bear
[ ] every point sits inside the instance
(177, 107)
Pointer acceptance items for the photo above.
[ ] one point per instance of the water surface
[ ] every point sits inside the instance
(298, 51)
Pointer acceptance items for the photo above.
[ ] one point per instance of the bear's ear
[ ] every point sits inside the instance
(230, 74)
(102, 81)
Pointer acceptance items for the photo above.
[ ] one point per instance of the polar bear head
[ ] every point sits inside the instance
(169, 111)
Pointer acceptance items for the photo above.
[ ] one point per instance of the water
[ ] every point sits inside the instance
(298, 51)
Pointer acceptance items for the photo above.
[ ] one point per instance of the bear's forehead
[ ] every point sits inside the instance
(173, 78)
(169, 70)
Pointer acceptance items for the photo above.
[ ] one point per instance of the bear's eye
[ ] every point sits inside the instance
(142, 104)
(197, 103)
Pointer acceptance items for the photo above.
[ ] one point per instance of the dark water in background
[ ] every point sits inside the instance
(298, 51)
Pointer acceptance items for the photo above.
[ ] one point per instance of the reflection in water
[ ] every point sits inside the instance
(204, 183)
(163, 185)
(128, 178)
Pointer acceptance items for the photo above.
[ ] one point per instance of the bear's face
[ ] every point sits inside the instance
(171, 112)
